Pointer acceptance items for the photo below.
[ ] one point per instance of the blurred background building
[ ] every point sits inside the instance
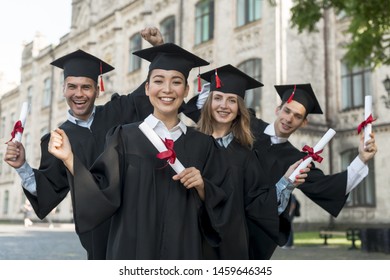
(254, 35)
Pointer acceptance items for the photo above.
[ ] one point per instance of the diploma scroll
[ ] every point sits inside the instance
(320, 145)
(367, 113)
(159, 145)
(22, 119)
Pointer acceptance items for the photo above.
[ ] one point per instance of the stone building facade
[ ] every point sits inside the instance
(252, 35)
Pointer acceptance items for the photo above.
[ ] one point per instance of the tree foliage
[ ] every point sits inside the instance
(368, 27)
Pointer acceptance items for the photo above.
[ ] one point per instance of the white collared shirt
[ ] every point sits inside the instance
(162, 131)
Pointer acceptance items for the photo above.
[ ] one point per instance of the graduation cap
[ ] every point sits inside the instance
(302, 93)
(229, 79)
(83, 64)
(169, 56)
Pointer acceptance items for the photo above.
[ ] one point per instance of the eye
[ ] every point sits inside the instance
(233, 101)
(178, 82)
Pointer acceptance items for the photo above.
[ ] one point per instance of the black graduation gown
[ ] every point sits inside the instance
(253, 199)
(327, 191)
(153, 216)
(87, 144)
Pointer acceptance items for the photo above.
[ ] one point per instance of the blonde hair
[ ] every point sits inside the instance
(240, 126)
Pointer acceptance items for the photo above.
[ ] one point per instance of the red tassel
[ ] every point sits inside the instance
(199, 82)
(292, 94)
(101, 84)
(217, 80)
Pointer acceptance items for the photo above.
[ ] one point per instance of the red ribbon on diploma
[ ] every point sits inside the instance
(17, 128)
(310, 153)
(169, 154)
(363, 124)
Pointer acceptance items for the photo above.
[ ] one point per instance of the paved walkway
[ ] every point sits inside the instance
(329, 252)
(39, 242)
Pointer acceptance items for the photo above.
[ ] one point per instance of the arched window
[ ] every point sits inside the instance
(167, 28)
(252, 68)
(135, 44)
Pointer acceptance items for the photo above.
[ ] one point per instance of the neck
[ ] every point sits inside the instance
(220, 130)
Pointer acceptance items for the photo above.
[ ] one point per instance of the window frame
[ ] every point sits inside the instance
(204, 21)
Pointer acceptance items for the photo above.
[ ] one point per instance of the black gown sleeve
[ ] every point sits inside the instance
(96, 192)
(51, 182)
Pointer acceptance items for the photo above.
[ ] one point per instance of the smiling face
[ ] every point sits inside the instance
(80, 94)
(289, 117)
(224, 108)
(166, 90)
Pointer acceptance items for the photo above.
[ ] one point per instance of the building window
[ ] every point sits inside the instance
(29, 98)
(12, 120)
(46, 93)
(167, 28)
(364, 193)
(356, 83)
(252, 68)
(204, 21)
(6, 202)
(135, 45)
(248, 11)
(2, 129)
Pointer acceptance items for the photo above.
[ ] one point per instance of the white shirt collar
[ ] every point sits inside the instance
(225, 140)
(270, 130)
(162, 131)
(82, 123)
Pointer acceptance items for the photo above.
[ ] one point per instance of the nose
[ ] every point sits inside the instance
(223, 103)
(289, 117)
(167, 87)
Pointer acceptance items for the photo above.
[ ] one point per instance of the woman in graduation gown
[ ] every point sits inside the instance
(156, 213)
(86, 126)
(225, 117)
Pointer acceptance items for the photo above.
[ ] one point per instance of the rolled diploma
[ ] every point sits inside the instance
(367, 113)
(159, 145)
(22, 119)
(320, 145)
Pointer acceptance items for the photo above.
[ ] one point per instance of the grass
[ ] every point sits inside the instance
(312, 238)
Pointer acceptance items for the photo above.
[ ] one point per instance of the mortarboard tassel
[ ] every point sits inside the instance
(292, 94)
(101, 84)
(217, 79)
(199, 82)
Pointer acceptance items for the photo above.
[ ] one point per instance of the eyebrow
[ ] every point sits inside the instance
(163, 77)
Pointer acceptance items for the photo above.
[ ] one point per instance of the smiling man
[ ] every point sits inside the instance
(86, 126)
(276, 154)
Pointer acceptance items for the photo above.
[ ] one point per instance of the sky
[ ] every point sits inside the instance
(20, 20)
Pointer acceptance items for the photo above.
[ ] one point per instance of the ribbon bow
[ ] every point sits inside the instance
(310, 153)
(17, 128)
(363, 124)
(169, 154)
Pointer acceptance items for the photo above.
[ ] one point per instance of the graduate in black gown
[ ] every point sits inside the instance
(276, 154)
(225, 117)
(156, 213)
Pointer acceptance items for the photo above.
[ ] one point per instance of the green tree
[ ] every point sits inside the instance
(369, 27)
